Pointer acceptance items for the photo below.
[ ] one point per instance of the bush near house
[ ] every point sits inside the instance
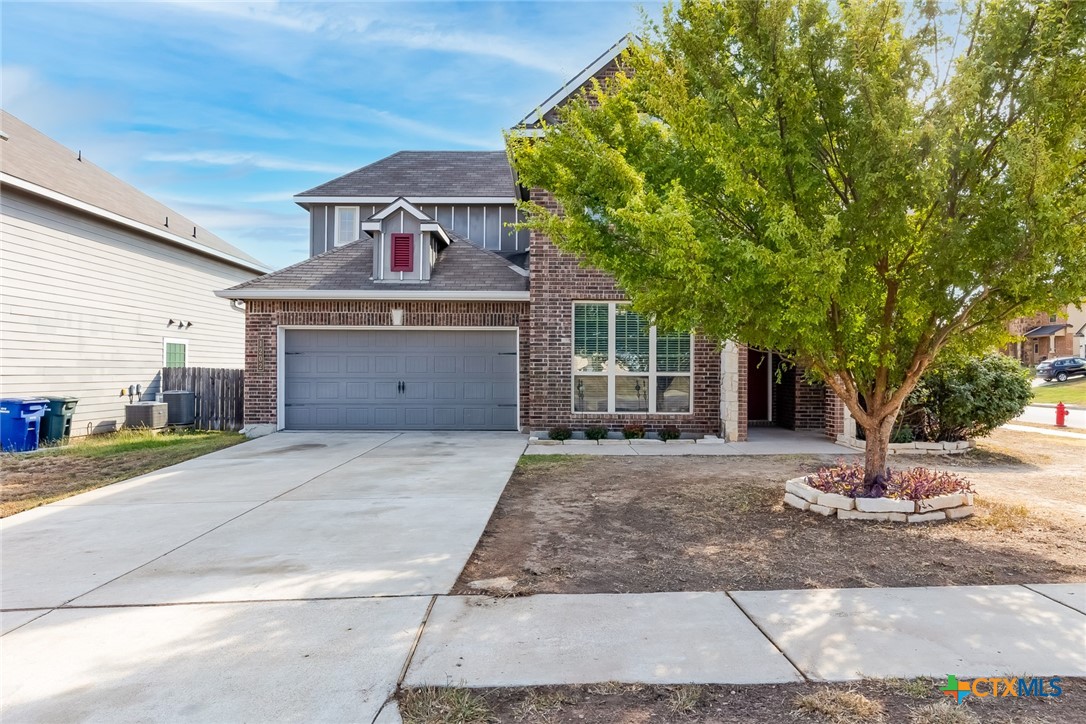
(596, 433)
(965, 398)
(560, 432)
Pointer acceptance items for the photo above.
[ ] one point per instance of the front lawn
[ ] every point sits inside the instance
(586, 524)
(1071, 392)
(33, 479)
(871, 701)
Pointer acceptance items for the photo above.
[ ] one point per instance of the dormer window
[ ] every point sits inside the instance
(346, 224)
(403, 252)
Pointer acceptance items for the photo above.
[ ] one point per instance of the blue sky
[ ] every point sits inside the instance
(224, 110)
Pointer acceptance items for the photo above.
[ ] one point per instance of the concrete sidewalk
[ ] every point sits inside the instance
(762, 441)
(748, 637)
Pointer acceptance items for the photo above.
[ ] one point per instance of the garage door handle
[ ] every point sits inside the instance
(400, 387)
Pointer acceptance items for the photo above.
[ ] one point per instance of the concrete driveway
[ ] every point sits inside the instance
(278, 547)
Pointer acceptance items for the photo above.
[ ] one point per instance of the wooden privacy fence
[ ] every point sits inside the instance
(219, 394)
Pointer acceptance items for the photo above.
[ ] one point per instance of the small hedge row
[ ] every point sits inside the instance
(630, 432)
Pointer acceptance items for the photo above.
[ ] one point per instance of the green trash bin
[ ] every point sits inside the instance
(56, 426)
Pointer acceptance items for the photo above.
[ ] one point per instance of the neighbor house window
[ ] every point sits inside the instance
(403, 252)
(175, 352)
(346, 224)
(621, 364)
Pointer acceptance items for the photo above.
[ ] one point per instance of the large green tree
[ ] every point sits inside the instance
(860, 184)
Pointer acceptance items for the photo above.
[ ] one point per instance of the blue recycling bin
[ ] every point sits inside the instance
(19, 420)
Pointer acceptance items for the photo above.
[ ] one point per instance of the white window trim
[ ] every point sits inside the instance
(357, 220)
(175, 340)
(612, 372)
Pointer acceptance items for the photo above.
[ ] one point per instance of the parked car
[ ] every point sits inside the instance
(1061, 368)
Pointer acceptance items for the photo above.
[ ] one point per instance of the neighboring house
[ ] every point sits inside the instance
(422, 308)
(1047, 335)
(102, 285)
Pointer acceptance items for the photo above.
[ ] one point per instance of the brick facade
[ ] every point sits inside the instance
(833, 414)
(263, 317)
(557, 281)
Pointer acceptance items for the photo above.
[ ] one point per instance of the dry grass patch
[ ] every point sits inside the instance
(540, 706)
(442, 705)
(685, 699)
(54, 473)
(581, 524)
(840, 707)
(1000, 516)
(918, 688)
(943, 712)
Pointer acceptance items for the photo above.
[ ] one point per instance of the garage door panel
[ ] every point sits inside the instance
(358, 390)
(416, 364)
(358, 364)
(386, 390)
(475, 365)
(298, 364)
(357, 416)
(388, 417)
(351, 379)
(328, 391)
(386, 364)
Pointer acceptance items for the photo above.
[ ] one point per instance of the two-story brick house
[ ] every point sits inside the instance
(423, 307)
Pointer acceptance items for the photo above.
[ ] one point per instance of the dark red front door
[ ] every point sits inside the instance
(758, 376)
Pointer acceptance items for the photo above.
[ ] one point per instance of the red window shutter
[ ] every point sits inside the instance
(403, 252)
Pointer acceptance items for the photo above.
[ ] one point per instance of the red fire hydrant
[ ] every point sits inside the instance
(1061, 415)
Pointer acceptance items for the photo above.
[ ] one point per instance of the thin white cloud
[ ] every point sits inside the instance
(244, 159)
(276, 14)
(366, 24)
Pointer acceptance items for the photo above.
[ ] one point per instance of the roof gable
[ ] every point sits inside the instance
(39, 165)
(575, 84)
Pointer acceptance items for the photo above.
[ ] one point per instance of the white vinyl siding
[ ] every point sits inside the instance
(347, 225)
(622, 365)
(87, 305)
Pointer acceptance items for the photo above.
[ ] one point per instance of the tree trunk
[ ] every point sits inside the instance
(876, 450)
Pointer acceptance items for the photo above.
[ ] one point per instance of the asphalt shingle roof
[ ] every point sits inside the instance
(460, 267)
(32, 156)
(415, 174)
(1046, 330)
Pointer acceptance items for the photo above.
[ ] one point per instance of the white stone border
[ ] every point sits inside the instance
(799, 494)
(913, 448)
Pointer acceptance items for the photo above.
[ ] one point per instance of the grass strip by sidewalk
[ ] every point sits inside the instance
(54, 473)
(1071, 392)
(867, 701)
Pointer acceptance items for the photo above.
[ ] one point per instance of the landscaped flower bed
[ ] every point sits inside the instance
(917, 495)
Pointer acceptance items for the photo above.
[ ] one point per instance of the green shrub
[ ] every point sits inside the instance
(595, 433)
(669, 432)
(633, 432)
(968, 398)
(560, 433)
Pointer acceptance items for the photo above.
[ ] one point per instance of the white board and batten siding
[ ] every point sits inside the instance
(487, 226)
(85, 309)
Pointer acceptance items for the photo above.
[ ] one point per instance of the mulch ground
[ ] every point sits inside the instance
(891, 701)
(646, 524)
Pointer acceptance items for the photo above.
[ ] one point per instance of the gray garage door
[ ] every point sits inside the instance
(339, 379)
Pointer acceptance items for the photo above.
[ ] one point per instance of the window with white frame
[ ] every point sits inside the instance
(623, 365)
(175, 352)
(347, 227)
